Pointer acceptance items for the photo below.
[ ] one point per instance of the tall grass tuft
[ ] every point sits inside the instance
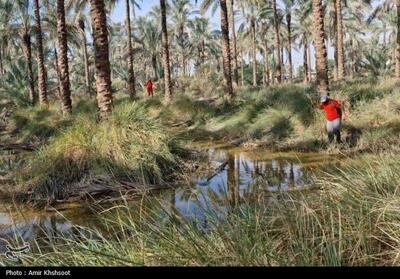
(130, 146)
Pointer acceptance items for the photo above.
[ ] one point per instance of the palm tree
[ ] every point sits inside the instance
(231, 15)
(383, 9)
(289, 7)
(14, 82)
(181, 10)
(398, 40)
(250, 22)
(201, 38)
(131, 81)
(102, 62)
(306, 65)
(40, 57)
(66, 104)
(339, 39)
(320, 48)
(354, 45)
(226, 50)
(53, 50)
(27, 48)
(354, 28)
(81, 19)
(266, 52)
(303, 32)
(23, 30)
(88, 82)
(165, 53)
(277, 43)
(149, 37)
(6, 8)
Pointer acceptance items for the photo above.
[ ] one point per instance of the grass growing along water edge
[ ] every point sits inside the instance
(130, 146)
(351, 221)
(138, 143)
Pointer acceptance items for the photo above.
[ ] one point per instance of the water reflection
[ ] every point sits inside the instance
(242, 177)
(237, 182)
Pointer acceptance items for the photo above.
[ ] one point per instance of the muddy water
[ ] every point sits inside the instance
(240, 175)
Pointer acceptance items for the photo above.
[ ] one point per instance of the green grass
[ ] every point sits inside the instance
(352, 217)
(130, 146)
(286, 118)
(352, 220)
(138, 143)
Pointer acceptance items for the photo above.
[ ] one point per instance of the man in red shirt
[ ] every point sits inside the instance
(333, 112)
(149, 88)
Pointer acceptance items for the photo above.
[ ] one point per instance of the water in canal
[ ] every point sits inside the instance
(241, 174)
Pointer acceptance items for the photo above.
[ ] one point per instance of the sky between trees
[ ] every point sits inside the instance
(118, 15)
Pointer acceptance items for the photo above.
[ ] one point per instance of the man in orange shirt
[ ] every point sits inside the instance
(333, 112)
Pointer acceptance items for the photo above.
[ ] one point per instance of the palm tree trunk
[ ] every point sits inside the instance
(282, 63)
(56, 66)
(398, 40)
(203, 52)
(320, 49)
(27, 47)
(268, 71)
(131, 81)
(183, 65)
(305, 63)
(81, 24)
(66, 104)
(165, 53)
(277, 44)
(154, 64)
(102, 61)
(265, 77)
(1, 63)
(218, 65)
(242, 66)
(254, 53)
(273, 74)
(335, 45)
(340, 47)
(231, 180)
(111, 58)
(266, 62)
(40, 57)
(234, 43)
(309, 74)
(226, 50)
(289, 49)
(182, 41)
(352, 57)
(264, 83)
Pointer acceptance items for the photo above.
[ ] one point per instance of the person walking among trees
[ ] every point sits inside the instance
(334, 115)
(150, 88)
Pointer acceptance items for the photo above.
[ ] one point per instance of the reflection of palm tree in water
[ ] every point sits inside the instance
(281, 173)
(231, 181)
(173, 210)
(256, 172)
(238, 162)
(291, 176)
